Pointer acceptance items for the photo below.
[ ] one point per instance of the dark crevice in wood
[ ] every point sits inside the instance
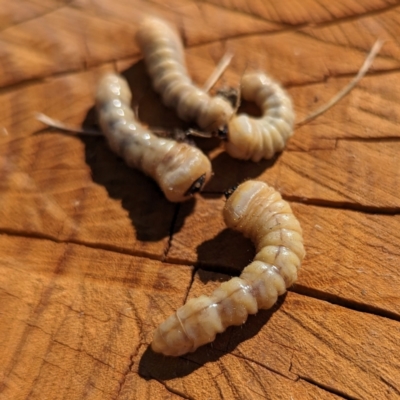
(171, 232)
(343, 302)
(229, 272)
(194, 272)
(174, 391)
(344, 205)
(386, 382)
(219, 269)
(383, 139)
(328, 389)
(310, 149)
(99, 246)
(338, 205)
(128, 370)
(238, 36)
(275, 371)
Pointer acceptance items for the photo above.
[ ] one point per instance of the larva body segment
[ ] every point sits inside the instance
(164, 57)
(179, 169)
(258, 211)
(251, 138)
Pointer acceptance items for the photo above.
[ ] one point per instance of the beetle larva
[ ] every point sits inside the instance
(246, 137)
(164, 56)
(179, 169)
(258, 211)
(256, 138)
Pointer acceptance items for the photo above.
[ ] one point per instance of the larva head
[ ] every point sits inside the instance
(241, 140)
(237, 205)
(183, 172)
(231, 95)
(230, 191)
(215, 114)
(222, 132)
(257, 138)
(253, 82)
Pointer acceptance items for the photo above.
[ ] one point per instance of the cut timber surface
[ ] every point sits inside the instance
(93, 258)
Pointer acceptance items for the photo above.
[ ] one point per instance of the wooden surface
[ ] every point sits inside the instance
(93, 258)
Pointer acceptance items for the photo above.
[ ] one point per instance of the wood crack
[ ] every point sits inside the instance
(174, 391)
(343, 302)
(275, 371)
(344, 205)
(171, 232)
(328, 389)
(128, 370)
(99, 246)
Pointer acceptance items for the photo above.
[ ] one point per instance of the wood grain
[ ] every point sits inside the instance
(93, 258)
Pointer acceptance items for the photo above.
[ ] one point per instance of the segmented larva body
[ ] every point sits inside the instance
(251, 138)
(164, 56)
(179, 169)
(247, 137)
(258, 211)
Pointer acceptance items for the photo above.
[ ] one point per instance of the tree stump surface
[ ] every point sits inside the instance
(93, 257)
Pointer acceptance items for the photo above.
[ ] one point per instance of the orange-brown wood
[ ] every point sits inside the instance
(93, 258)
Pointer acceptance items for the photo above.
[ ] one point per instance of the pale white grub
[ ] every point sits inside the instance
(253, 139)
(164, 57)
(246, 137)
(179, 168)
(250, 138)
(258, 211)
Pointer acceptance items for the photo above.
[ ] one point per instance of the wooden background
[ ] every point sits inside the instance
(93, 258)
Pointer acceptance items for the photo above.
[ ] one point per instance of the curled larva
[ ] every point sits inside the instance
(179, 169)
(258, 211)
(246, 137)
(164, 56)
(250, 138)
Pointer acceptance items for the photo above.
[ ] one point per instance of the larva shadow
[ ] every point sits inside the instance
(152, 112)
(151, 214)
(228, 252)
(156, 366)
(229, 172)
(148, 104)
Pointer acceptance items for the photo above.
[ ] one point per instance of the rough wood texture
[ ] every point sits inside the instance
(93, 258)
